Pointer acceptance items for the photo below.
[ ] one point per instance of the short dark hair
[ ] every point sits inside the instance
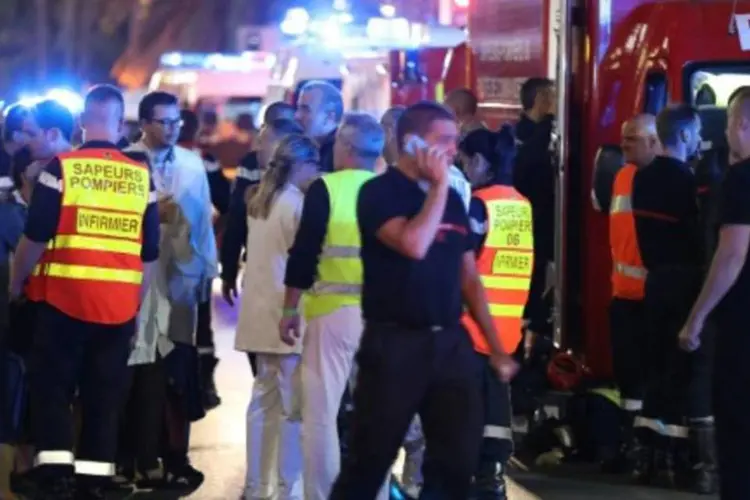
(672, 120)
(13, 120)
(50, 114)
(104, 93)
(530, 88)
(284, 127)
(278, 110)
(190, 126)
(418, 118)
(466, 99)
(153, 99)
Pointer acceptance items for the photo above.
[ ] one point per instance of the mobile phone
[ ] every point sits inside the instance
(413, 144)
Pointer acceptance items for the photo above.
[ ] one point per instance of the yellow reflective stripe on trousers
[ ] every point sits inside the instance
(93, 243)
(76, 272)
(506, 310)
(505, 283)
(340, 252)
(54, 457)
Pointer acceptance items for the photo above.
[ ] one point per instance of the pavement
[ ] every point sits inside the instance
(218, 441)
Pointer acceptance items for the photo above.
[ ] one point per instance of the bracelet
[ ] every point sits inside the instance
(289, 312)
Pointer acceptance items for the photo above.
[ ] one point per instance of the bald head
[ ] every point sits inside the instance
(463, 103)
(640, 143)
(388, 122)
(738, 124)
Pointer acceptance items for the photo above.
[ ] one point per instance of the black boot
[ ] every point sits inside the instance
(643, 455)
(60, 488)
(665, 465)
(624, 460)
(705, 479)
(211, 397)
(489, 482)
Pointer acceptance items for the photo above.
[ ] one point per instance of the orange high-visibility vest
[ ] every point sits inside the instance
(91, 270)
(628, 271)
(504, 264)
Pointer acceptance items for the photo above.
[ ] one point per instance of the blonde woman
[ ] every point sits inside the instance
(273, 416)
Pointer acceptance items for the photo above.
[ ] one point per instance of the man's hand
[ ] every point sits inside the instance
(433, 165)
(690, 335)
(229, 291)
(168, 209)
(505, 366)
(289, 327)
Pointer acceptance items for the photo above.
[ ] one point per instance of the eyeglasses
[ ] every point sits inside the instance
(166, 122)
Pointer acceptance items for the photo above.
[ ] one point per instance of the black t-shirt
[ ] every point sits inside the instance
(734, 209)
(397, 289)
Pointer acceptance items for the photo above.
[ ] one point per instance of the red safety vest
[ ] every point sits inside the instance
(628, 271)
(92, 268)
(504, 264)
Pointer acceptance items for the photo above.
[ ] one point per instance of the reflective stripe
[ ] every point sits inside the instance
(92, 273)
(631, 271)
(54, 457)
(90, 468)
(153, 197)
(250, 175)
(632, 405)
(323, 287)
(206, 350)
(97, 244)
(621, 204)
(520, 425)
(498, 432)
(505, 283)
(6, 183)
(673, 431)
(49, 180)
(477, 227)
(506, 310)
(340, 252)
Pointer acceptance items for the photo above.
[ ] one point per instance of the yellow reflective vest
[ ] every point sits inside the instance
(339, 277)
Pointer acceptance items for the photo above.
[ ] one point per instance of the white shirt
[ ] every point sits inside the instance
(268, 243)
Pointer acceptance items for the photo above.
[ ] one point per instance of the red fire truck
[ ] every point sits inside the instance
(614, 59)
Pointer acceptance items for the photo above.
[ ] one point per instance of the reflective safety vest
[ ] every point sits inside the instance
(339, 279)
(504, 264)
(628, 271)
(91, 269)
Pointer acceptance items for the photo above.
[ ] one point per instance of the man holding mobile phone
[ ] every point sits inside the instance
(415, 357)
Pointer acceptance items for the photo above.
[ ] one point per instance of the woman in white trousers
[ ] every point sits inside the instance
(274, 455)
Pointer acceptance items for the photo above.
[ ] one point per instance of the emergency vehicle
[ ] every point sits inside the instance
(228, 84)
(611, 60)
(352, 57)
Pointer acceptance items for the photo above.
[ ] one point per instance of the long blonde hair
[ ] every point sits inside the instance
(291, 151)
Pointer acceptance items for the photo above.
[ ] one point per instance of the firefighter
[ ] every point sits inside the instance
(725, 292)
(640, 145)
(87, 251)
(414, 356)
(324, 262)
(465, 105)
(664, 203)
(500, 221)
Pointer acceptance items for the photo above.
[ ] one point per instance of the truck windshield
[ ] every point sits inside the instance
(713, 85)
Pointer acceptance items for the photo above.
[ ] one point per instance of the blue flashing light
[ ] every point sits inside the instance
(71, 100)
(295, 22)
(171, 59)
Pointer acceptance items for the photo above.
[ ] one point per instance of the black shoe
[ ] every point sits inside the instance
(90, 493)
(150, 480)
(61, 488)
(705, 477)
(183, 477)
(122, 481)
(489, 482)
(210, 394)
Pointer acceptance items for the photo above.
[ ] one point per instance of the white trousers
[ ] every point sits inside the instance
(274, 452)
(331, 341)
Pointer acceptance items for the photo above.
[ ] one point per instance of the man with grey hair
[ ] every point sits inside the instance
(324, 264)
(319, 111)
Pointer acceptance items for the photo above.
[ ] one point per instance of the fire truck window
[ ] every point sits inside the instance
(713, 86)
(655, 93)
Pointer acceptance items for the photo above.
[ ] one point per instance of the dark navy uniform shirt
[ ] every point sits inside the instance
(326, 153)
(46, 204)
(235, 234)
(397, 289)
(304, 255)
